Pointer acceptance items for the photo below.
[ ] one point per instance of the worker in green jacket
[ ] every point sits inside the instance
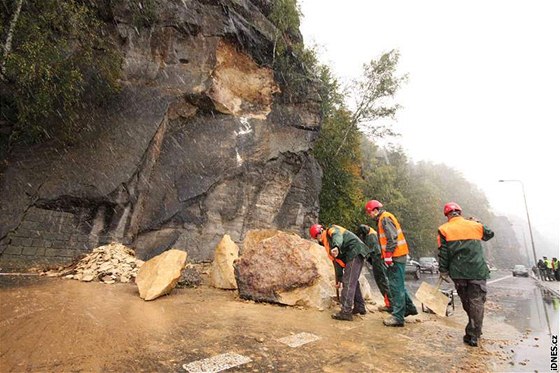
(347, 253)
(368, 235)
(461, 257)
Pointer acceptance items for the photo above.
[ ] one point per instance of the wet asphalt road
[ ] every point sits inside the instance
(519, 303)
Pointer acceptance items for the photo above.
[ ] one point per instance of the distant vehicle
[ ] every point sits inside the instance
(428, 264)
(412, 268)
(520, 270)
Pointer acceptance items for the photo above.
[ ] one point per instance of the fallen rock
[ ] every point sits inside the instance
(365, 288)
(159, 275)
(222, 275)
(284, 268)
(191, 277)
(108, 264)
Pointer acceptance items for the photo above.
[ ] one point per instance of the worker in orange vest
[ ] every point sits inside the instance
(347, 253)
(394, 251)
(461, 257)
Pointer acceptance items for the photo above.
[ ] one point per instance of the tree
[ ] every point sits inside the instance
(9, 35)
(339, 146)
(372, 92)
(59, 61)
(341, 188)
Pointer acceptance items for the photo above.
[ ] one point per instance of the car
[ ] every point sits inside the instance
(412, 268)
(428, 264)
(520, 270)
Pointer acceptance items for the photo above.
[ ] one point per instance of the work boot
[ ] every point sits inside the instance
(392, 321)
(384, 309)
(470, 340)
(411, 313)
(342, 316)
(359, 312)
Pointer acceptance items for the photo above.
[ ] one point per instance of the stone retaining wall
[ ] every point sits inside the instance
(48, 237)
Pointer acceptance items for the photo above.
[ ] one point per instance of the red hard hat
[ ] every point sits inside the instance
(315, 230)
(451, 206)
(372, 205)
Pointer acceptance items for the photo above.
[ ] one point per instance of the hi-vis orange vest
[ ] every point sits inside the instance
(460, 230)
(402, 246)
(325, 241)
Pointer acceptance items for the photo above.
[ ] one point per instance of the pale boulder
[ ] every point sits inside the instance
(221, 274)
(159, 275)
(365, 288)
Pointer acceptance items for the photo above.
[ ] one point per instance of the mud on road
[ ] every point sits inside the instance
(58, 325)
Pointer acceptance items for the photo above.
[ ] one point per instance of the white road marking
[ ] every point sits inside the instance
(499, 279)
(299, 339)
(216, 363)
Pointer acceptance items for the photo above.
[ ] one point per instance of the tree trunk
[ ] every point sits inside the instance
(9, 35)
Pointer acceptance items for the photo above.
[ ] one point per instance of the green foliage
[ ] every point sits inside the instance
(341, 192)
(293, 64)
(60, 54)
(143, 12)
(416, 193)
(285, 15)
(341, 188)
(338, 148)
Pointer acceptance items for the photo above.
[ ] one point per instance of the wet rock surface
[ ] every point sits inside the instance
(201, 141)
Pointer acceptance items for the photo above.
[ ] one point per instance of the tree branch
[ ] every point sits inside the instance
(8, 44)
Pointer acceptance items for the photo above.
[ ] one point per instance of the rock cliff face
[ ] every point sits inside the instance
(202, 141)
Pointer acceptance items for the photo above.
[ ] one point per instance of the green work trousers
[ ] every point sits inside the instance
(401, 303)
(379, 274)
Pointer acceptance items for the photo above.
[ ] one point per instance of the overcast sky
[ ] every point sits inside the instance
(484, 88)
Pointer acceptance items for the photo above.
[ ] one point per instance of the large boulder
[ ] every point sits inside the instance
(221, 273)
(283, 268)
(159, 275)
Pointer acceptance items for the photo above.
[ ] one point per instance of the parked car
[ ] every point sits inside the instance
(428, 264)
(412, 268)
(520, 270)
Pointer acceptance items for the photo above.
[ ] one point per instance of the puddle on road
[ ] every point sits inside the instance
(531, 316)
(535, 315)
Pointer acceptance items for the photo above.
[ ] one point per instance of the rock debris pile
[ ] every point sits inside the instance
(109, 264)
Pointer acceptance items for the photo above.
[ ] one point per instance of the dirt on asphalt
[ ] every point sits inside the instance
(59, 325)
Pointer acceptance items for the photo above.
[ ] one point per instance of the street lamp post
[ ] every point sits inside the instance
(528, 219)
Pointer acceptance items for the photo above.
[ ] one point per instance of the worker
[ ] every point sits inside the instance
(347, 253)
(394, 251)
(555, 269)
(461, 258)
(548, 270)
(542, 269)
(368, 235)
